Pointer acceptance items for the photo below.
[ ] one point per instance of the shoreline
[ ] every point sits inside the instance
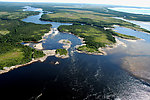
(66, 45)
(37, 46)
(101, 49)
(131, 29)
(41, 59)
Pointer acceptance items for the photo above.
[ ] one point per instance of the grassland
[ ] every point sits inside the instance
(11, 58)
(4, 32)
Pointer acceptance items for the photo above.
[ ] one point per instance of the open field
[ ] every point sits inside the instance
(11, 58)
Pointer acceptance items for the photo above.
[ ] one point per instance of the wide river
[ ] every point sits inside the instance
(82, 76)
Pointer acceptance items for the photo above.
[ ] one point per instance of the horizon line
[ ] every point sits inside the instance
(73, 3)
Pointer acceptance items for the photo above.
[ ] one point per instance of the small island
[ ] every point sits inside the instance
(61, 53)
(67, 43)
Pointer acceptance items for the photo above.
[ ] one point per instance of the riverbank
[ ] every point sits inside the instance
(101, 49)
(94, 40)
(42, 59)
(37, 46)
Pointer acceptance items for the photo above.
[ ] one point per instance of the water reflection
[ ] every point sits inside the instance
(136, 55)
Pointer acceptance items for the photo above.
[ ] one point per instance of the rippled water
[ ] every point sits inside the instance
(80, 77)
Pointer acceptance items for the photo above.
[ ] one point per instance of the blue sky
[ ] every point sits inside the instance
(140, 3)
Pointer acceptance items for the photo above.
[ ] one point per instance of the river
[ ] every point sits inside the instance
(82, 76)
(134, 10)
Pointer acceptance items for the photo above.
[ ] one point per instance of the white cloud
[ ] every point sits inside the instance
(144, 3)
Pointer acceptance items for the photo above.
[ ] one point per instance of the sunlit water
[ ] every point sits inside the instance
(80, 77)
(145, 25)
(132, 10)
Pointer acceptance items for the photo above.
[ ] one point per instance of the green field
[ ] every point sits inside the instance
(10, 58)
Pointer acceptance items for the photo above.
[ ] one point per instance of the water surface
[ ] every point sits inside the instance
(82, 76)
(132, 10)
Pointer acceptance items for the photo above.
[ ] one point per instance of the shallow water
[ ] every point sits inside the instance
(80, 77)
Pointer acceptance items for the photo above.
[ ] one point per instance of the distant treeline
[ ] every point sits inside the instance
(21, 31)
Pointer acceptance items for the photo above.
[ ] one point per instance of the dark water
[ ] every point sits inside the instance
(80, 77)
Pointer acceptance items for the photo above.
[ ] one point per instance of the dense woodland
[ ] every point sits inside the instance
(13, 32)
(61, 51)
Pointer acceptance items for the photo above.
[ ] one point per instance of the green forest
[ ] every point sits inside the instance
(61, 51)
(17, 32)
(13, 32)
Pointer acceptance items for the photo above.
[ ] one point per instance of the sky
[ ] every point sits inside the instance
(138, 3)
